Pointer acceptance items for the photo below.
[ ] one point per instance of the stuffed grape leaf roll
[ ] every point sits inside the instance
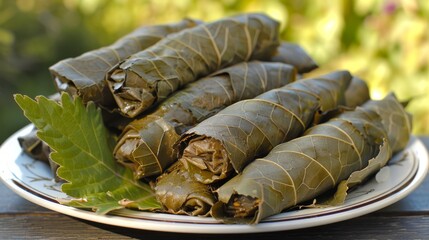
(150, 76)
(179, 193)
(84, 75)
(295, 55)
(357, 93)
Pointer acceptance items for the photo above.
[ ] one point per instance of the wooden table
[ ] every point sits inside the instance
(406, 219)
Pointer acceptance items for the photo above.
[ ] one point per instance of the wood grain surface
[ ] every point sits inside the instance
(406, 219)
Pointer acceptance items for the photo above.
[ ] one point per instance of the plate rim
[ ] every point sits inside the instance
(215, 228)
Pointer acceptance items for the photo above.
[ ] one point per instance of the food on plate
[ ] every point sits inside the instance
(211, 123)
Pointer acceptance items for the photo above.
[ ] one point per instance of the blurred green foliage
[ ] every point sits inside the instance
(384, 42)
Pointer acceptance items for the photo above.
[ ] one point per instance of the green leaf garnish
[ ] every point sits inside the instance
(83, 148)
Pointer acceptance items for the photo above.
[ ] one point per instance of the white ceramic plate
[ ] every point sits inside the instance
(32, 180)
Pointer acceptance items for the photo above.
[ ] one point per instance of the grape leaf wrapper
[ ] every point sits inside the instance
(146, 144)
(150, 76)
(83, 147)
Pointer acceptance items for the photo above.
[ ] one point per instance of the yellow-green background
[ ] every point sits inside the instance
(384, 42)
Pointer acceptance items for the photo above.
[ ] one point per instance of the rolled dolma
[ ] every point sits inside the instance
(357, 93)
(34, 147)
(38, 150)
(152, 75)
(295, 55)
(395, 119)
(250, 128)
(84, 75)
(306, 167)
(146, 144)
(179, 193)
